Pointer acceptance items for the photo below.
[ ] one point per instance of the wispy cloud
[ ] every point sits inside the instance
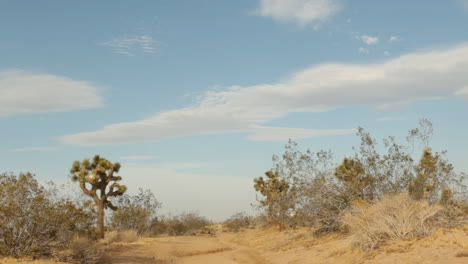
(393, 107)
(302, 12)
(391, 118)
(136, 158)
(369, 40)
(363, 50)
(130, 45)
(34, 149)
(394, 39)
(415, 76)
(28, 92)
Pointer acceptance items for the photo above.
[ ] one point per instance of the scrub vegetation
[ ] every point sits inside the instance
(380, 192)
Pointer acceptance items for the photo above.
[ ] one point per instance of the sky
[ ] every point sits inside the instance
(194, 97)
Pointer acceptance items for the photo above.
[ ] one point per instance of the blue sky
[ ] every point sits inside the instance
(193, 97)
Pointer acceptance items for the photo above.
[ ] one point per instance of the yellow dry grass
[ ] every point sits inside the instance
(259, 246)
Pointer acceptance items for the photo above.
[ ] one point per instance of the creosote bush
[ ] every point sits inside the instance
(184, 224)
(399, 216)
(32, 221)
(238, 222)
(135, 212)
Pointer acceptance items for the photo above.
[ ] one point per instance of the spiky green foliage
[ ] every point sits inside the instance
(97, 180)
(355, 180)
(433, 175)
(275, 190)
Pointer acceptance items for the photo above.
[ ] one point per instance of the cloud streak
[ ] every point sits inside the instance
(302, 12)
(34, 149)
(130, 45)
(394, 39)
(369, 40)
(140, 157)
(416, 76)
(27, 92)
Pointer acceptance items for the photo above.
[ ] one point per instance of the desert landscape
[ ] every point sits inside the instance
(273, 247)
(233, 132)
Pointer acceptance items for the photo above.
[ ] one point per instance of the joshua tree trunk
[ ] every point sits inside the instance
(100, 220)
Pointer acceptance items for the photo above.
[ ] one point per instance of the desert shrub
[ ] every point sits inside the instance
(128, 236)
(184, 224)
(125, 236)
(399, 216)
(237, 222)
(306, 188)
(111, 237)
(82, 250)
(31, 222)
(135, 212)
(75, 219)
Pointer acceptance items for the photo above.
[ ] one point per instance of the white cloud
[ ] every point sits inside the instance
(129, 45)
(302, 12)
(34, 149)
(213, 195)
(393, 107)
(416, 76)
(363, 50)
(369, 40)
(136, 158)
(27, 92)
(394, 39)
(463, 92)
(386, 53)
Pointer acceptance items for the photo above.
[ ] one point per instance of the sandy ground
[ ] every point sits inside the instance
(298, 247)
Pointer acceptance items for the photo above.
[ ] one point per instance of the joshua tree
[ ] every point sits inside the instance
(96, 176)
(277, 201)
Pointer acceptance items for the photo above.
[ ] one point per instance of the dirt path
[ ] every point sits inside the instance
(290, 247)
(185, 250)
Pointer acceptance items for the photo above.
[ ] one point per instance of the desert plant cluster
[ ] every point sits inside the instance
(33, 220)
(380, 191)
(238, 222)
(42, 221)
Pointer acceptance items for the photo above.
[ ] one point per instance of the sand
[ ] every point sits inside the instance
(287, 247)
